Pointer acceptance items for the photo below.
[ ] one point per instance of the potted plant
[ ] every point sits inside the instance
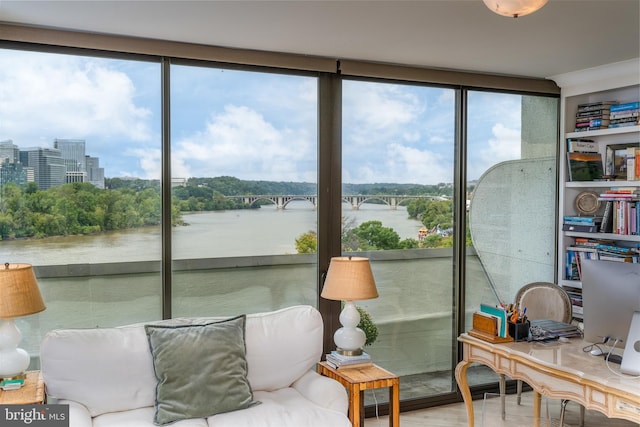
(366, 324)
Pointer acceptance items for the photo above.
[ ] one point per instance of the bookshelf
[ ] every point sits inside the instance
(619, 82)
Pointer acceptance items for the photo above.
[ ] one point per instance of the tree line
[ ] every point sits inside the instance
(77, 208)
(82, 208)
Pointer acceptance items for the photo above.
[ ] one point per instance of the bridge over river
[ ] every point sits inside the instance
(355, 200)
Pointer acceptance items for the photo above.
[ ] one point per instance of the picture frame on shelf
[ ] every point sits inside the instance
(616, 160)
(585, 166)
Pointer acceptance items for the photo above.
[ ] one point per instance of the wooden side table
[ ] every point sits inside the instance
(31, 393)
(356, 380)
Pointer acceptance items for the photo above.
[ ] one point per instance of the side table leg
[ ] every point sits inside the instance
(394, 404)
(355, 400)
(463, 385)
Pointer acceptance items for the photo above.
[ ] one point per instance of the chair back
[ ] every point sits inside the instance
(545, 300)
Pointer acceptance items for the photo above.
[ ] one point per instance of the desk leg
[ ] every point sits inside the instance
(536, 408)
(394, 405)
(463, 384)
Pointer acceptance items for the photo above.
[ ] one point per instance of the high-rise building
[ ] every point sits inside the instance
(48, 166)
(95, 174)
(11, 169)
(73, 153)
(9, 151)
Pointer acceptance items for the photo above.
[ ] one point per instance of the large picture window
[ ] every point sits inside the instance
(244, 173)
(147, 186)
(80, 186)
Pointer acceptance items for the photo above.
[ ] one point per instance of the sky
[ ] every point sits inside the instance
(254, 126)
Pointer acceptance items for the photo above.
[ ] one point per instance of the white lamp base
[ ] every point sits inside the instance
(14, 361)
(349, 339)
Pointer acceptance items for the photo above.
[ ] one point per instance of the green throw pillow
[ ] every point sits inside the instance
(201, 369)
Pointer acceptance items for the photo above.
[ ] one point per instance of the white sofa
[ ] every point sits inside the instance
(107, 377)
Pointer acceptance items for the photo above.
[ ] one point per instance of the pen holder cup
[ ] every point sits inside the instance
(519, 331)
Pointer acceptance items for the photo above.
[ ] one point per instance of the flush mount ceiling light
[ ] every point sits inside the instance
(514, 8)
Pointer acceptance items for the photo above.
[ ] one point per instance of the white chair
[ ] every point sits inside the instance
(542, 300)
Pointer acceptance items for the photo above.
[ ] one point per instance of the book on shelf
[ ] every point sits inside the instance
(618, 125)
(597, 122)
(631, 163)
(571, 265)
(620, 121)
(585, 166)
(581, 145)
(575, 255)
(590, 128)
(594, 106)
(581, 228)
(573, 219)
(606, 226)
(624, 114)
(586, 242)
(602, 113)
(618, 258)
(624, 106)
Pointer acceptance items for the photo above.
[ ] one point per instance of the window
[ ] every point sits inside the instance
(244, 173)
(511, 174)
(84, 152)
(397, 173)
(80, 195)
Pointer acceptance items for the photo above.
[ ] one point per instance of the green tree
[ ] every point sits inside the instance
(307, 243)
(376, 236)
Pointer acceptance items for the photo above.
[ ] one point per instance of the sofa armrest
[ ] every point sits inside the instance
(78, 414)
(323, 391)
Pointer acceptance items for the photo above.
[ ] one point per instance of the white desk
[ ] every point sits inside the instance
(557, 370)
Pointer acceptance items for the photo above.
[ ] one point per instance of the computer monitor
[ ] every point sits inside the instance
(610, 296)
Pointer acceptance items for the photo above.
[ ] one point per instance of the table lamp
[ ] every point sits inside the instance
(19, 296)
(349, 279)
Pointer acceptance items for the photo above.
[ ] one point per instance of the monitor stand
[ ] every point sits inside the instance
(631, 357)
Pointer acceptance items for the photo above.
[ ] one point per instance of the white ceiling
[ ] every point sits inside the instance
(565, 35)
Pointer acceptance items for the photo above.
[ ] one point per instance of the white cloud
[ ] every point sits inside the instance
(242, 143)
(502, 146)
(48, 96)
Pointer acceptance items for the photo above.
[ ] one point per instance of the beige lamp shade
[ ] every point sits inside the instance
(19, 292)
(514, 8)
(349, 279)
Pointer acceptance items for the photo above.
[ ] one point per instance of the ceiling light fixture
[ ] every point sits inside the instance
(514, 8)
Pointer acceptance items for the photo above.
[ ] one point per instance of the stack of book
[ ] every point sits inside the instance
(593, 116)
(339, 361)
(584, 224)
(617, 253)
(621, 115)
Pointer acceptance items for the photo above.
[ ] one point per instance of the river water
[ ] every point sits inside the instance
(250, 232)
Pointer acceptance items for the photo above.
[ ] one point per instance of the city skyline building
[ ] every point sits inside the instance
(9, 151)
(95, 174)
(48, 166)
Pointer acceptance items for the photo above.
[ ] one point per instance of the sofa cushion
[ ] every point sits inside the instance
(142, 417)
(290, 337)
(105, 369)
(281, 408)
(201, 369)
